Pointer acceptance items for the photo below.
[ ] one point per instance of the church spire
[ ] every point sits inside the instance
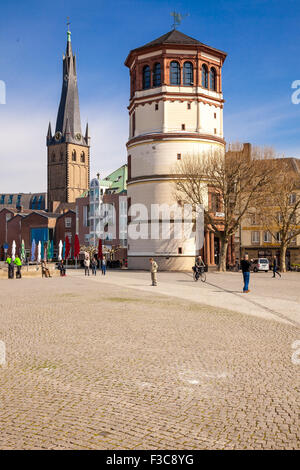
(69, 102)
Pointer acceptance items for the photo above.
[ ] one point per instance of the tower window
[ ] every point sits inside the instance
(178, 156)
(74, 156)
(215, 130)
(174, 73)
(188, 73)
(204, 76)
(213, 79)
(189, 106)
(82, 157)
(157, 74)
(146, 77)
(183, 127)
(180, 250)
(215, 115)
(156, 106)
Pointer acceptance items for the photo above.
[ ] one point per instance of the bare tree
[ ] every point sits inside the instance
(234, 179)
(279, 213)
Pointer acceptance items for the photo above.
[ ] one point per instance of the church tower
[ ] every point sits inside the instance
(68, 150)
(175, 110)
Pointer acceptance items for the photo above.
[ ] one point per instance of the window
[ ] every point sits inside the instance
(82, 157)
(215, 130)
(174, 73)
(213, 79)
(157, 75)
(68, 222)
(85, 216)
(253, 219)
(215, 115)
(2, 199)
(74, 156)
(204, 76)
(178, 156)
(133, 124)
(292, 198)
(180, 250)
(40, 201)
(86, 238)
(10, 200)
(189, 106)
(293, 240)
(255, 238)
(129, 166)
(156, 106)
(183, 127)
(267, 237)
(188, 73)
(146, 77)
(19, 200)
(33, 203)
(278, 237)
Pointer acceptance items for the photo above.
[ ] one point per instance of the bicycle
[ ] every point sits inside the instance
(199, 274)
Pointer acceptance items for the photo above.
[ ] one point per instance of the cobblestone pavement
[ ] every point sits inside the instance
(93, 365)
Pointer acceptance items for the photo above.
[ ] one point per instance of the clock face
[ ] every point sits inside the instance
(78, 136)
(58, 135)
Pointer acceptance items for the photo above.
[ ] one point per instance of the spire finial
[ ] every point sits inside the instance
(178, 17)
(68, 31)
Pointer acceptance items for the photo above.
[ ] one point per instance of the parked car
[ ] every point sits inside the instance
(260, 264)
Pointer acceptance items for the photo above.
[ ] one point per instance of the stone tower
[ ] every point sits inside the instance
(175, 109)
(68, 149)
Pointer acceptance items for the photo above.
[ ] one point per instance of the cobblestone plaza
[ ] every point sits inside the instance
(113, 363)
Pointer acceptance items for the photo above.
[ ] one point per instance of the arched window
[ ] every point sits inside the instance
(204, 76)
(146, 77)
(74, 156)
(174, 73)
(82, 157)
(188, 73)
(157, 74)
(213, 79)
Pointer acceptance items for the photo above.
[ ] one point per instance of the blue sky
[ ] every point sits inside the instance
(261, 38)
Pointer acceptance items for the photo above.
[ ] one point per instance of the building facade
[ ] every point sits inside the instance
(175, 109)
(68, 156)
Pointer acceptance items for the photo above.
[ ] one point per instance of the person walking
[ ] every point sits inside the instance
(87, 264)
(10, 266)
(18, 264)
(153, 270)
(246, 265)
(94, 266)
(275, 267)
(103, 266)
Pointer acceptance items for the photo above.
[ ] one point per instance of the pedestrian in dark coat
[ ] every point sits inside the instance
(275, 267)
(246, 265)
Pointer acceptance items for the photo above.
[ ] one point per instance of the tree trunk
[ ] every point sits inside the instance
(223, 255)
(282, 258)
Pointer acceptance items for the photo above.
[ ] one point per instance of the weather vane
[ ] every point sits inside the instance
(178, 17)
